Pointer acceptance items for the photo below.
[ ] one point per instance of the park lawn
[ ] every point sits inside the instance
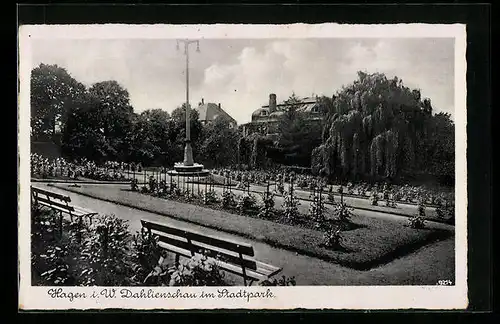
(376, 242)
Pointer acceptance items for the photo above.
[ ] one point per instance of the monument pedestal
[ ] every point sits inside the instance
(194, 170)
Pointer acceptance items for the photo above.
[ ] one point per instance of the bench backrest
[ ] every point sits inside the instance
(226, 250)
(52, 198)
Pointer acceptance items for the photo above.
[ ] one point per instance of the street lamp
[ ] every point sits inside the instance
(188, 151)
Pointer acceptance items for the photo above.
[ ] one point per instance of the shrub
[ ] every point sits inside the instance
(197, 271)
(104, 254)
(49, 250)
(227, 200)
(283, 281)
(146, 255)
(160, 275)
(331, 198)
(163, 187)
(245, 202)
(266, 209)
(134, 185)
(281, 187)
(343, 213)
(153, 184)
(188, 195)
(374, 198)
(290, 207)
(333, 238)
(176, 191)
(317, 208)
(416, 222)
(390, 203)
(421, 209)
(209, 197)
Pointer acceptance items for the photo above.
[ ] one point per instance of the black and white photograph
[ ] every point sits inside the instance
(251, 166)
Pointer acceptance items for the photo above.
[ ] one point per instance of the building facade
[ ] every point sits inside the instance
(265, 119)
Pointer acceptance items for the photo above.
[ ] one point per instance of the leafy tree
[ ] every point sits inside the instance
(379, 128)
(298, 136)
(53, 91)
(99, 125)
(151, 143)
(220, 143)
(177, 133)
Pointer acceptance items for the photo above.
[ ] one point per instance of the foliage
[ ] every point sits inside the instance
(416, 221)
(421, 209)
(146, 254)
(151, 137)
(317, 207)
(374, 198)
(53, 93)
(153, 184)
(104, 253)
(290, 207)
(379, 128)
(220, 143)
(209, 197)
(343, 212)
(283, 281)
(332, 238)
(227, 200)
(245, 202)
(197, 271)
(267, 206)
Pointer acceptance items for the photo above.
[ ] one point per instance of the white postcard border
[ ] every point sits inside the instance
(307, 297)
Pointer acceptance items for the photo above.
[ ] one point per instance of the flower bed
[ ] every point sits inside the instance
(397, 193)
(370, 241)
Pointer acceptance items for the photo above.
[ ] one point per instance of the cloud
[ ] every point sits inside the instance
(240, 74)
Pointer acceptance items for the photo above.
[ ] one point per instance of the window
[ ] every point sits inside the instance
(263, 113)
(315, 109)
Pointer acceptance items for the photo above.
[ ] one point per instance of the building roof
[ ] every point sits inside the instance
(210, 111)
(304, 100)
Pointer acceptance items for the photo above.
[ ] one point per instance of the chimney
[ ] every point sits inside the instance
(219, 105)
(272, 103)
(202, 101)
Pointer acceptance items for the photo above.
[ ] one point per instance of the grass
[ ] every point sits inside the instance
(374, 242)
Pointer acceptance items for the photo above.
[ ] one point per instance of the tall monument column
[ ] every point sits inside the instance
(187, 168)
(188, 150)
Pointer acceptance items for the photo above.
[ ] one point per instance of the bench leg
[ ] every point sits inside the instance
(60, 224)
(177, 257)
(251, 282)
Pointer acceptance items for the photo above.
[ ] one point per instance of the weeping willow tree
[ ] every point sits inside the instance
(377, 128)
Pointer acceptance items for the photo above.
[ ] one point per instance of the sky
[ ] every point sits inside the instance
(241, 73)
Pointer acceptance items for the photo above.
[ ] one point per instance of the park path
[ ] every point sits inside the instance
(439, 257)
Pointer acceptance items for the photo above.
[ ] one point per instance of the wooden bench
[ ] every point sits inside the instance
(59, 203)
(231, 256)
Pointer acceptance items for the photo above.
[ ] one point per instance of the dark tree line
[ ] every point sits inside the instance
(375, 128)
(99, 123)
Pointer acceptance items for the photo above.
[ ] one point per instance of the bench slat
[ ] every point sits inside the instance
(83, 211)
(52, 194)
(237, 247)
(181, 243)
(55, 203)
(251, 274)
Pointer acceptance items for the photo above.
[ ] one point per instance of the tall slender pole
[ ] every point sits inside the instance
(188, 151)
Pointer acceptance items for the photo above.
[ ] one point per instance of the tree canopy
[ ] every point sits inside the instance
(380, 129)
(53, 92)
